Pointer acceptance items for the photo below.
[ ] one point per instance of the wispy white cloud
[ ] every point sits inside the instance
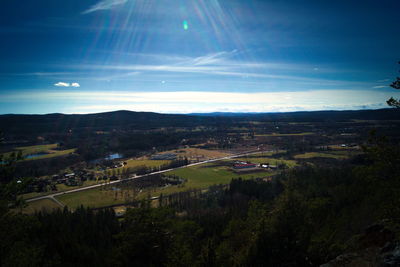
(228, 70)
(380, 86)
(62, 84)
(118, 76)
(212, 58)
(104, 5)
(221, 63)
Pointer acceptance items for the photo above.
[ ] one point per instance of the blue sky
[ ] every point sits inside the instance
(180, 56)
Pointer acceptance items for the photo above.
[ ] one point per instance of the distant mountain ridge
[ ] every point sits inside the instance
(131, 120)
(240, 114)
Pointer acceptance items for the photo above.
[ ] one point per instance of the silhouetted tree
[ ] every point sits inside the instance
(392, 101)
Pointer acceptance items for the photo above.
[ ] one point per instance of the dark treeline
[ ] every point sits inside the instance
(128, 120)
(130, 144)
(41, 167)
(130, 132)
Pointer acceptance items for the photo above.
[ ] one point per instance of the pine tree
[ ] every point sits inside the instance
(392, 101)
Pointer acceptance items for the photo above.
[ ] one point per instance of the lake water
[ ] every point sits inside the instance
(32, 156)
(109, 157)
(114, 156)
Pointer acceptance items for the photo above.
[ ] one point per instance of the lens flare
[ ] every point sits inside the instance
(185, 25)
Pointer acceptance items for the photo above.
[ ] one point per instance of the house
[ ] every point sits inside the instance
(70, 175)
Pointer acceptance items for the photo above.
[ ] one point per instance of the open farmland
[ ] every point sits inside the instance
(196, 177)
(41, 205)
(134, 163)
(198, 153)
(203, 176)
(90, 198)
(331, 154)
(273, 161)
(26, 150)
(61, 188)
(53, 153)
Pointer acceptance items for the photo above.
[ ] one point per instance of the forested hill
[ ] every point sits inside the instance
(118, 120)
(129, 120)
(310, 116)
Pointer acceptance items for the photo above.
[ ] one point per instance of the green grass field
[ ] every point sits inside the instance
(54, 153)
(193, 152)
(273, 161)
(133, 163)
(63, 187)
(98, 197)
(40, 205)
(264, 154)
(26, 150)
(60, 188)
(91, 198)
(203, 176)
(330, 154)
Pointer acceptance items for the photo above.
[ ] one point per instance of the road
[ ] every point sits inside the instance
(53, 196)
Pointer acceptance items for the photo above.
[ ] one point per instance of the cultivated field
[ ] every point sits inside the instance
(61, 188)
(134, 163)
(26, 150)
(90, 198)
(331, 154)
(195, 153)
(203, 176)
(273, 161)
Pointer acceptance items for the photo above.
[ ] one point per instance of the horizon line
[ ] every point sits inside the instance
(201, 113)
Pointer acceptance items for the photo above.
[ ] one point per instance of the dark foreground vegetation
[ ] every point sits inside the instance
(303, 217)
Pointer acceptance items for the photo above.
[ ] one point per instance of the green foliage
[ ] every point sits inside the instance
(10, 186)
(384, 156)
(144, 238)
(17, 247)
